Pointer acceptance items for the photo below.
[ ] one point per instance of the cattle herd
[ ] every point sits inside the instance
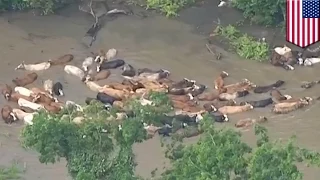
(287, 58)
(190, 99)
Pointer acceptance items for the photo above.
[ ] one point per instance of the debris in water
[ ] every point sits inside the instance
(93, 31)
(222, 3)
(308, 85)
(217, 55)
(117, 11)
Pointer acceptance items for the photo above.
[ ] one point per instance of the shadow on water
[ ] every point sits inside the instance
(154, 42)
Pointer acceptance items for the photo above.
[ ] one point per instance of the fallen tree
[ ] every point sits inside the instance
(88, 7)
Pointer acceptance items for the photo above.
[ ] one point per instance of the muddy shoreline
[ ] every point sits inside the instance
(155, 41)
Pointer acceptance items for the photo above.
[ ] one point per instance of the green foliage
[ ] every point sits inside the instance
(220, 154)
(45, 6)
(10, 173)
(86, 147)
(151, 113)
(244, 45)
(94, 149)
(265, 12)
(168, 7)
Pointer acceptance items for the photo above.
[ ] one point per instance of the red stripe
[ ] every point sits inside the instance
(288, 17)
(298, 24)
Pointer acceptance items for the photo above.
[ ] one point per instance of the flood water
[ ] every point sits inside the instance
(157, 42)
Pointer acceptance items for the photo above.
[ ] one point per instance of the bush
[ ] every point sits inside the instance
(45, 6)
(244, 45)
(221, 154)
(265, 12)
(168, 7)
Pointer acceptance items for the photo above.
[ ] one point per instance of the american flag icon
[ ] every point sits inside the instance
(303, 22)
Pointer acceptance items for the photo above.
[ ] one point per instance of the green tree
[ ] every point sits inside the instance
(96, 148)
(221, 154)
(265, 12)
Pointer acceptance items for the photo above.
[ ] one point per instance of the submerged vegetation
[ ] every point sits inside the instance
(10, 173)
(244, 45)
(97, 149)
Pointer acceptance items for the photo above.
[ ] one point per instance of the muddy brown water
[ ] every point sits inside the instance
(154, 42)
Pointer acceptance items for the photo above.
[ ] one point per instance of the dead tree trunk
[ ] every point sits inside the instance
(93, 31)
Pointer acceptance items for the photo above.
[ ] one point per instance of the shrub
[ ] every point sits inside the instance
(221, 154)
(168, 7)
(244, 45)
(12, 172)
(265, 12)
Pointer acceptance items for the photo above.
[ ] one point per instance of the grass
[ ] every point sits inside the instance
(10, 173)
(244, 45)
